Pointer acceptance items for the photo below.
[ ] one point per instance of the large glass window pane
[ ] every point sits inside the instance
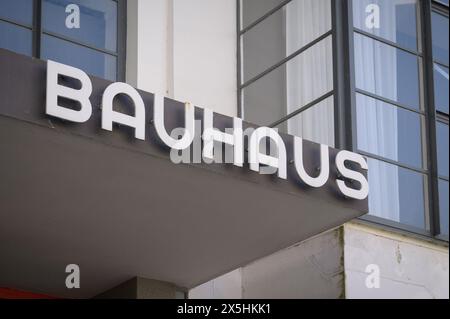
(283, 33)
(20, 11)
(386, 71)
(91, 61)
(252, 10)
(440, 37)
(397, 21)
(315, 124)
(98, 21)
(15, 38)
(309, 75)
(296, 83)
(396, 194)
(388, 131)
(442, 148)
(264, 101)
(443, 206)
(441, 88)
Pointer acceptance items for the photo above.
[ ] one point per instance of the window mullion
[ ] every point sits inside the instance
(37, 28)
(430, 118)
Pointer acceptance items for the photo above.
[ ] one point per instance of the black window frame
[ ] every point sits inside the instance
(435, 116)
(344, 93)
(348, 109)
(241, 85)
(37, 32)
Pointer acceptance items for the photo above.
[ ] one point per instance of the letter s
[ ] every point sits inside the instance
(343, 156)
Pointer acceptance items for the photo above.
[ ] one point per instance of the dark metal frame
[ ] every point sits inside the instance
(121, 39)
(241, 86)
(434, 116)
(37, 33)
(428, 112)
(343, 74)
(431, 118)
(344, 92)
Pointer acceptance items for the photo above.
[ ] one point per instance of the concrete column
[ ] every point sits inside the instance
(185, 50)
(149, 46)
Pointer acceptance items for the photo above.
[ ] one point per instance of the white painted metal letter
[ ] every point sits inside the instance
(109, 115)
(55, 90)
(158, 117)
(210, 134)
(341, 158)
(320, 180)
(256, 157)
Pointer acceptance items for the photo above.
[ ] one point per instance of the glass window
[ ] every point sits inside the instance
(389, 131)
(396, 194)
(440, 37)
(98, 21)
(296, 83)
(252, 10)
(397, 22)
(91, 61)
(441, 88)
(386, 71)
(20, 11)
(442, 148)
(92, 47)
(390, 118)
(264, 101)
(443, 206)
(15, 38)
(315, 124)
(283, 33)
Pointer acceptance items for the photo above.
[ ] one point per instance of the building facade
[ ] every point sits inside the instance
(370, 76)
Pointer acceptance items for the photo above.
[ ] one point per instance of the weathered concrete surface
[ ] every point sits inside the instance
(311, 269)
(409, 268)
(143, 288)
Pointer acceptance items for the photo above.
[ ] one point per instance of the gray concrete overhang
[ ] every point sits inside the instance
(119, 208)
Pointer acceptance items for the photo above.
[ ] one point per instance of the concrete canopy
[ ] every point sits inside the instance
(119, 208)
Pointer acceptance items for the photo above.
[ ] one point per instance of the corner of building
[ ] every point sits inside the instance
(407, 267)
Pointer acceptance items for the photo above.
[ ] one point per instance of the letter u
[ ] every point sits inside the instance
(320, 180)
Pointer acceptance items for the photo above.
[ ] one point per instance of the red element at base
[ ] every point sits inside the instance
(8, 293)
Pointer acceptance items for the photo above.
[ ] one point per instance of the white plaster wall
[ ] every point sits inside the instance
(185, 50)
(409, 268)
(148, 48)
(315, 268)
(228, 286)
(204, 60)
(311, 269)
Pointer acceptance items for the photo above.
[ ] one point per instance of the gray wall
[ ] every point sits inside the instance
(311, 269)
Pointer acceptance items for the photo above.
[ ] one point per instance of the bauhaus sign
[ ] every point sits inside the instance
(233, 137)
(90, 175)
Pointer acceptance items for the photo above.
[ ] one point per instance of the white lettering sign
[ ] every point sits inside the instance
(258, 159)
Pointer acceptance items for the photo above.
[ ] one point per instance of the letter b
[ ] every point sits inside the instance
(55, 90)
